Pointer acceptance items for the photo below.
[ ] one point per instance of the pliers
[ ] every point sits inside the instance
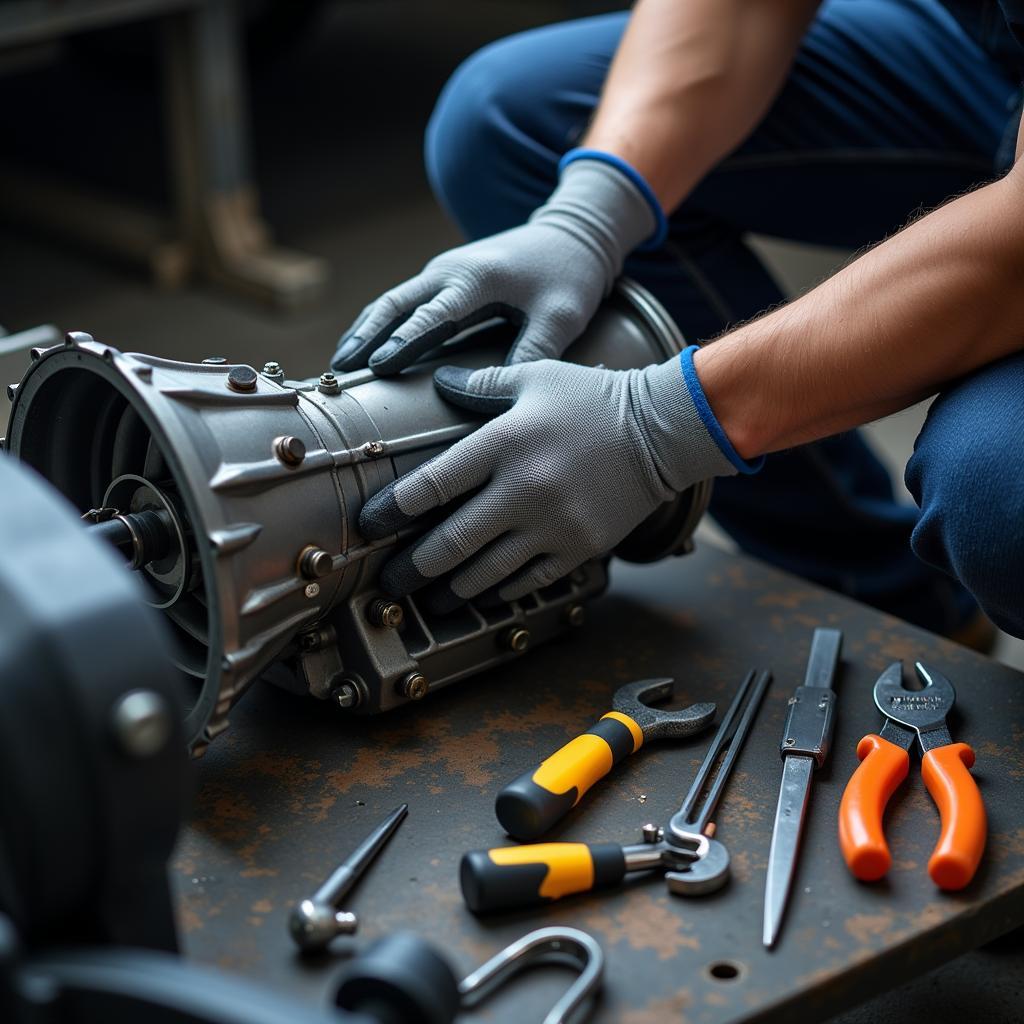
(914, 715)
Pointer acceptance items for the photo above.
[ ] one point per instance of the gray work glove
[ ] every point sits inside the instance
(576, 459)
(548, 276)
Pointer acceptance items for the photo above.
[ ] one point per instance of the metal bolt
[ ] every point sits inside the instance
(242, 378)
(142, 723)
(290, 450)
(575, 615)
(517, 639)
(313, 590)
(329, 383)
(214, 361)
(315, 563)
(373, 449)
(273, 371)
(346, 696)
(652, 833)
(385, 613)
(414, 686)
(789, 741)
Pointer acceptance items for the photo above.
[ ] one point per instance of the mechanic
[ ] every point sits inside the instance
(654, 142)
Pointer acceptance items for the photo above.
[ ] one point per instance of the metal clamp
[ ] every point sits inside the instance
(568, 946)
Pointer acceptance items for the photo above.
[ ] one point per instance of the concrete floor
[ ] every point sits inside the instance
(337, 129)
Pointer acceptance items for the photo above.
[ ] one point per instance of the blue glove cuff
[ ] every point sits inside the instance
(636, 178)
(707, 416)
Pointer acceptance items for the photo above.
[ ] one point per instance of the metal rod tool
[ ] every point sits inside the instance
(314, 922)
(806, 741)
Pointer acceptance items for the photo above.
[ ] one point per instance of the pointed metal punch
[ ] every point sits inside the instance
(315, 922)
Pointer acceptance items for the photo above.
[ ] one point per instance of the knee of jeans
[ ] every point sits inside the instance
(475, 129)
(969, 484)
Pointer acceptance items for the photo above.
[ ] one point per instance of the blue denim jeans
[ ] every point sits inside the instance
(891, 107)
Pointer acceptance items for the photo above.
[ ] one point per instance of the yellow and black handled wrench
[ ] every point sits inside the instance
(694, 861)
(533, 803)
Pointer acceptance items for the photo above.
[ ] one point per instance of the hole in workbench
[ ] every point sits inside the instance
(724, 970)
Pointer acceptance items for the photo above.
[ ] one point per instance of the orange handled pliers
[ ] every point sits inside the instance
(912, 715)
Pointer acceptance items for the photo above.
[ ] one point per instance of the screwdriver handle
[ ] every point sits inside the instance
(533, 803)
(519, 876)
(883, 766)
(946, 774)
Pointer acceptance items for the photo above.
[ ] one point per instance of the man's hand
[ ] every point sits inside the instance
(576, 459)
(548, 276)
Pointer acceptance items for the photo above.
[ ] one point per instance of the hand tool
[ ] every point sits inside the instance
(313, 923)
(403, 978)
(806, 742)
(914, 715)
(693, 861)
(529, 806)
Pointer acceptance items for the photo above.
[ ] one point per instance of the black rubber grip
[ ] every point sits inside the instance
(616, 735)
(538, 875)
(526, 811)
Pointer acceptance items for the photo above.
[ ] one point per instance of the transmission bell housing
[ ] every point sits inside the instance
(235, 495)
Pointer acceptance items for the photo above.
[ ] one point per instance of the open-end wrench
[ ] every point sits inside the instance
(537, 800)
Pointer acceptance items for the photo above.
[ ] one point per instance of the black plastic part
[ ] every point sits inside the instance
(609, 864)
(400, 979)
(526, 811)
(85, 826)
(126, 986)
(616, 735)
(487, 886)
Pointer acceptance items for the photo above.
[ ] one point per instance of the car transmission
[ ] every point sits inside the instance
(235, 495)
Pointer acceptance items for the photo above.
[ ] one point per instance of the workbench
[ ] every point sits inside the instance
(295, 784)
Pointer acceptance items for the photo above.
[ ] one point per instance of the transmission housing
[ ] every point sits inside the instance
(236, 495)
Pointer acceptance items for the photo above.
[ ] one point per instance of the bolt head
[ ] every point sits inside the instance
(313, 590)
(271, 369)
(415, 686)
(242, 378)
(290, 450)
(328, 383)
(387, 613)
(652, 833)
(315, 563)
(575, 615)
(373, 449)
(346, 696)
(517, 639)
(143, 722)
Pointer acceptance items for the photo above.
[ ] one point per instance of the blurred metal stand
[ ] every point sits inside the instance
(216, 233)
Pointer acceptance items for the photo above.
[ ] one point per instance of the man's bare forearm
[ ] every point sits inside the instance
(690, 81)
(930, 304)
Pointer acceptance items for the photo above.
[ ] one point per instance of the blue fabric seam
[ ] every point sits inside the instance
(707, 415)
(635, 178)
